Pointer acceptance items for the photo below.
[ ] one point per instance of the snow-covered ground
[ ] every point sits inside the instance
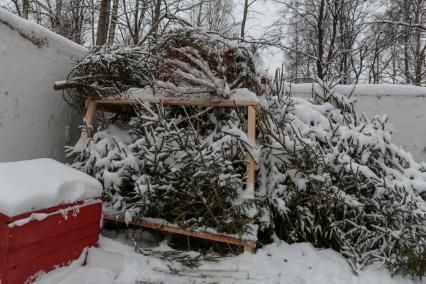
(115, 261)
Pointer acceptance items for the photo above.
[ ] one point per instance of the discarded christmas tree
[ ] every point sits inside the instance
(183, 165)
(336, 180)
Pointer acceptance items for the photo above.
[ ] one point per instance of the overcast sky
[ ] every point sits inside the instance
(262, 15)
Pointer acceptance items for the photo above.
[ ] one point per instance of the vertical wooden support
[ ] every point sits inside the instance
(90, 116)
(249, 249)
(251, 133)
(251, 172)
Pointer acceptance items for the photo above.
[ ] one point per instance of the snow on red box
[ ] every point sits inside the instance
(39, 240)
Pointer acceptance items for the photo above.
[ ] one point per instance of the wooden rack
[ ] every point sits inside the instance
(252, 104)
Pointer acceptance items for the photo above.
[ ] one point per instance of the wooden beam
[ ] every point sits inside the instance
(90, 117)
(249, 249)
(146, 223)
(63, 85)
(179, 101)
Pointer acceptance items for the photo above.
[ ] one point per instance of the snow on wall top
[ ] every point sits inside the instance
(38, 35)
(363, 89)
(32, 185)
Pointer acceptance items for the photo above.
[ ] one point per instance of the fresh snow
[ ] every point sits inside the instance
(43, 36)
(115, 261)
(237, 95)
(361, 89)
(74, 210)
(32, 217)
(32, 185)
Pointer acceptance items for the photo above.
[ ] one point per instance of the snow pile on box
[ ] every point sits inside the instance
(32, 185)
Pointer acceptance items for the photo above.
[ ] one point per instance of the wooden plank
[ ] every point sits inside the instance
(45, 246)
(54, 225)
(249, 249)
(4, 219)
(90, 117)
(63, 85)
(24, 272)
(141, 222)
(251, 133)
(180, 102)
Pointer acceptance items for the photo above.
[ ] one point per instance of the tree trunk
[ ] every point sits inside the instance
(243, 23)
(136, 24)
(92, 20)
(406, 42)
(101, 37)
(419, 51)
(320, 28)
(113, 23)
(156, 19)
(77, 12)
(200, 10)
(25, 8)
(58, 16)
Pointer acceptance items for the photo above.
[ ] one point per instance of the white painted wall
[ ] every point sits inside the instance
(34, 119)
(405, 105)
(407, 114)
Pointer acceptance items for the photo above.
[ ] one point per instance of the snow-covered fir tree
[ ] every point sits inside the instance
(336, 180)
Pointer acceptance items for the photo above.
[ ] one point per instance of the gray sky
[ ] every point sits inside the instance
(263, 14)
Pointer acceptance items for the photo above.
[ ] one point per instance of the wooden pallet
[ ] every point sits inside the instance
(114, 104)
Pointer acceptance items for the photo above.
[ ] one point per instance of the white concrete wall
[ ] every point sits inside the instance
(34, 119)
(408, 116)
(405, 105)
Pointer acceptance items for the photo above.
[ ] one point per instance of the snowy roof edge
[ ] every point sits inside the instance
(362, 89)
(38, 35)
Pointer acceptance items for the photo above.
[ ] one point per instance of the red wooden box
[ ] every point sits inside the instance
(57, 239)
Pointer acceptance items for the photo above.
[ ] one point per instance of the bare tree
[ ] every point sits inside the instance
(103, 22)
(214, 15)
(324, 33)
(25, 8)
(113, 23)
(58, 16)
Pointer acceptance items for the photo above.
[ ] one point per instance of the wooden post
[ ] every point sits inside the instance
(251, 133)
(249, 249)
(90, 116)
